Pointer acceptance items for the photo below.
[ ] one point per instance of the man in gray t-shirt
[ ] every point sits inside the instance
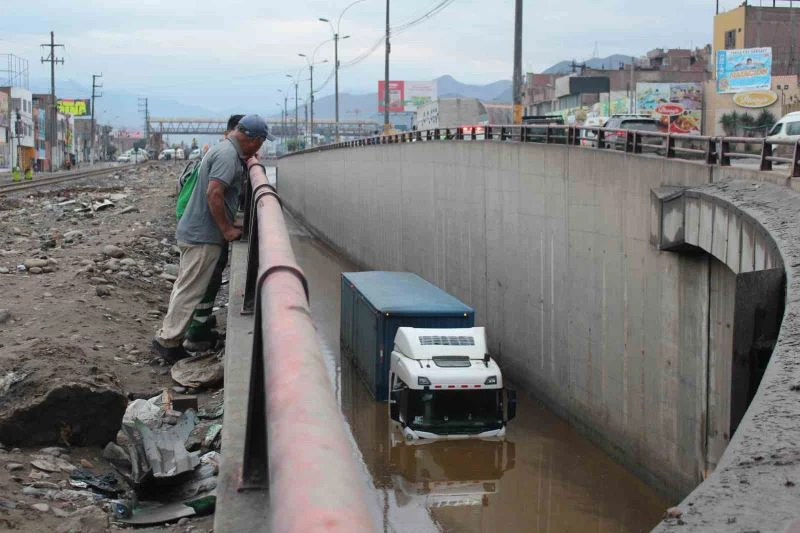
(207, 225)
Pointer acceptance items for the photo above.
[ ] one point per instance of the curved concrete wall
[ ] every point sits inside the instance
(552, 246)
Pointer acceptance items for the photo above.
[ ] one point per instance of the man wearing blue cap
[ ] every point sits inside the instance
(206, 226)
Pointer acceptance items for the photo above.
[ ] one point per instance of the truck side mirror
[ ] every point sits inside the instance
(512, 404)
(394, 405)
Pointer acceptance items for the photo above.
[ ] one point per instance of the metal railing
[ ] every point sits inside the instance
(710, 150)
(295, 444)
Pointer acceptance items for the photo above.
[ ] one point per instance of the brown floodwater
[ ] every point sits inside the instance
(544, 477)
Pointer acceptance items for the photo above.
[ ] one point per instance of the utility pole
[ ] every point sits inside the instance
(94, 95)
(296, 124)
(143, 108)
(311, 70)
(53, 122)
(285, 119)
(517, 63)
(386, 76)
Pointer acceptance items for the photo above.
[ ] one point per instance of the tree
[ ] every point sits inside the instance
(729, 122)
(765, 121)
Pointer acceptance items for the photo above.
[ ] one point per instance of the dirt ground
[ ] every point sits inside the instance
(82, 299)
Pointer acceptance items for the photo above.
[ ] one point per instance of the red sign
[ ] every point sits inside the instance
(396, 96)
(669, 110)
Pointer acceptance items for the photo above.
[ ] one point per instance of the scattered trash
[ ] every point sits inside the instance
(116, 455)
(100, 206)
(144, 410)
(213, 436)
(211, 412)
(160, 453)
(106, 484)
(152, 513)
(198, 372)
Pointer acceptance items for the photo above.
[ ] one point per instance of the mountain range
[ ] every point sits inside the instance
(609, 63)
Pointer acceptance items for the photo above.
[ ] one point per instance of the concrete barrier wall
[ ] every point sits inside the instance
(550, 244)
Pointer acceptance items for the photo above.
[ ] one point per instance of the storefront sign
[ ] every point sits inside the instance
(76, 108)
(755, 99)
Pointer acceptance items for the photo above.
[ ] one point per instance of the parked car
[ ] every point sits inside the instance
(179, 154)
(787, 129)
(124, 158)
(587, 137)
(196, 154)
(621, 123)
(167, 154)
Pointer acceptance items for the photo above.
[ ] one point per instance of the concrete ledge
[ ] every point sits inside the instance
(237, 512)
(754, 487)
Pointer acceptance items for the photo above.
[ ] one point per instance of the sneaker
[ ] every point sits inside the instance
(170, 354)
(204, 340)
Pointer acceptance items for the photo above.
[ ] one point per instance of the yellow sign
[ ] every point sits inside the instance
(76, 108)
(755, 99)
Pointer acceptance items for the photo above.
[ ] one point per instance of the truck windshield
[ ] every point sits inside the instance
(450, 412)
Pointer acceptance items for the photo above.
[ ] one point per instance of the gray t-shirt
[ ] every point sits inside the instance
(223, 162)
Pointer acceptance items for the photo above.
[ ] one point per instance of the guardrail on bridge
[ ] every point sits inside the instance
(296, 447)
(711, 150)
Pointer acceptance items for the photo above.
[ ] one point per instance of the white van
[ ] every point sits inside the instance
(169, 153)
(787, 129)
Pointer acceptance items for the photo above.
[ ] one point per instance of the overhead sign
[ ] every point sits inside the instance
(755, 99)
(407, 96)
(76, 108)
(744, 69)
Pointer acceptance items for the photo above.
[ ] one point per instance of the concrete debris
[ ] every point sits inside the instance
(31, 263)
(14, 467)
(198, 372)
(673, 512)
(41, 507)
(45, 400)
(113, 251)
(129, 209)
(52, 465)
(5, 316)
(116, 455)
(102, 290)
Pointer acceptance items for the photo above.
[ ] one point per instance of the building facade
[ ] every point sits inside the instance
(456, 112)
(20, 127)
(750, 26)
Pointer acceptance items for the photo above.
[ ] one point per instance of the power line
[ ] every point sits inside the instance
(436, 9)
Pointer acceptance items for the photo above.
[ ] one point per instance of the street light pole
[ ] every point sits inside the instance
(517, 83)
(311, 75)
(386, 76)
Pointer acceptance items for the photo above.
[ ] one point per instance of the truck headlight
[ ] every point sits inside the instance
(491, 380)
(423, 381)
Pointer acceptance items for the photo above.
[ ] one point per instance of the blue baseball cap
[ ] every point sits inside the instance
(254, 126)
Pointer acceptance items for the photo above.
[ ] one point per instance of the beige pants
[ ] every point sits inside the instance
(194, 273)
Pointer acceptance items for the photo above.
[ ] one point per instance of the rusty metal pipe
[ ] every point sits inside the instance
(314, 483)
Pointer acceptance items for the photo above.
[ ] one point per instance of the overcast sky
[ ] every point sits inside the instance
(219, 54)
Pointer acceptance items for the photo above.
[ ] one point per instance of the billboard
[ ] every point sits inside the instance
(76, 108)
(677, 106)
(407, 96)
(744, 69)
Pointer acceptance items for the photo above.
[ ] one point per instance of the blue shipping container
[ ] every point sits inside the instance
(375, 304)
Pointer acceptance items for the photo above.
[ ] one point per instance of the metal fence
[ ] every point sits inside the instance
(295, 444)
(710, 150)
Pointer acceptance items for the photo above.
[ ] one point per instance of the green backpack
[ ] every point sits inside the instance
(186, 183)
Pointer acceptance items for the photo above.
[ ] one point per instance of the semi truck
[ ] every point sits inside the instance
(415, 346)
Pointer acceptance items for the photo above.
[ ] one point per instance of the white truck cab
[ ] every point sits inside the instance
(443, 384)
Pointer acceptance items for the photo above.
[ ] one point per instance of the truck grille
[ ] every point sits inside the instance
(435, 340)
